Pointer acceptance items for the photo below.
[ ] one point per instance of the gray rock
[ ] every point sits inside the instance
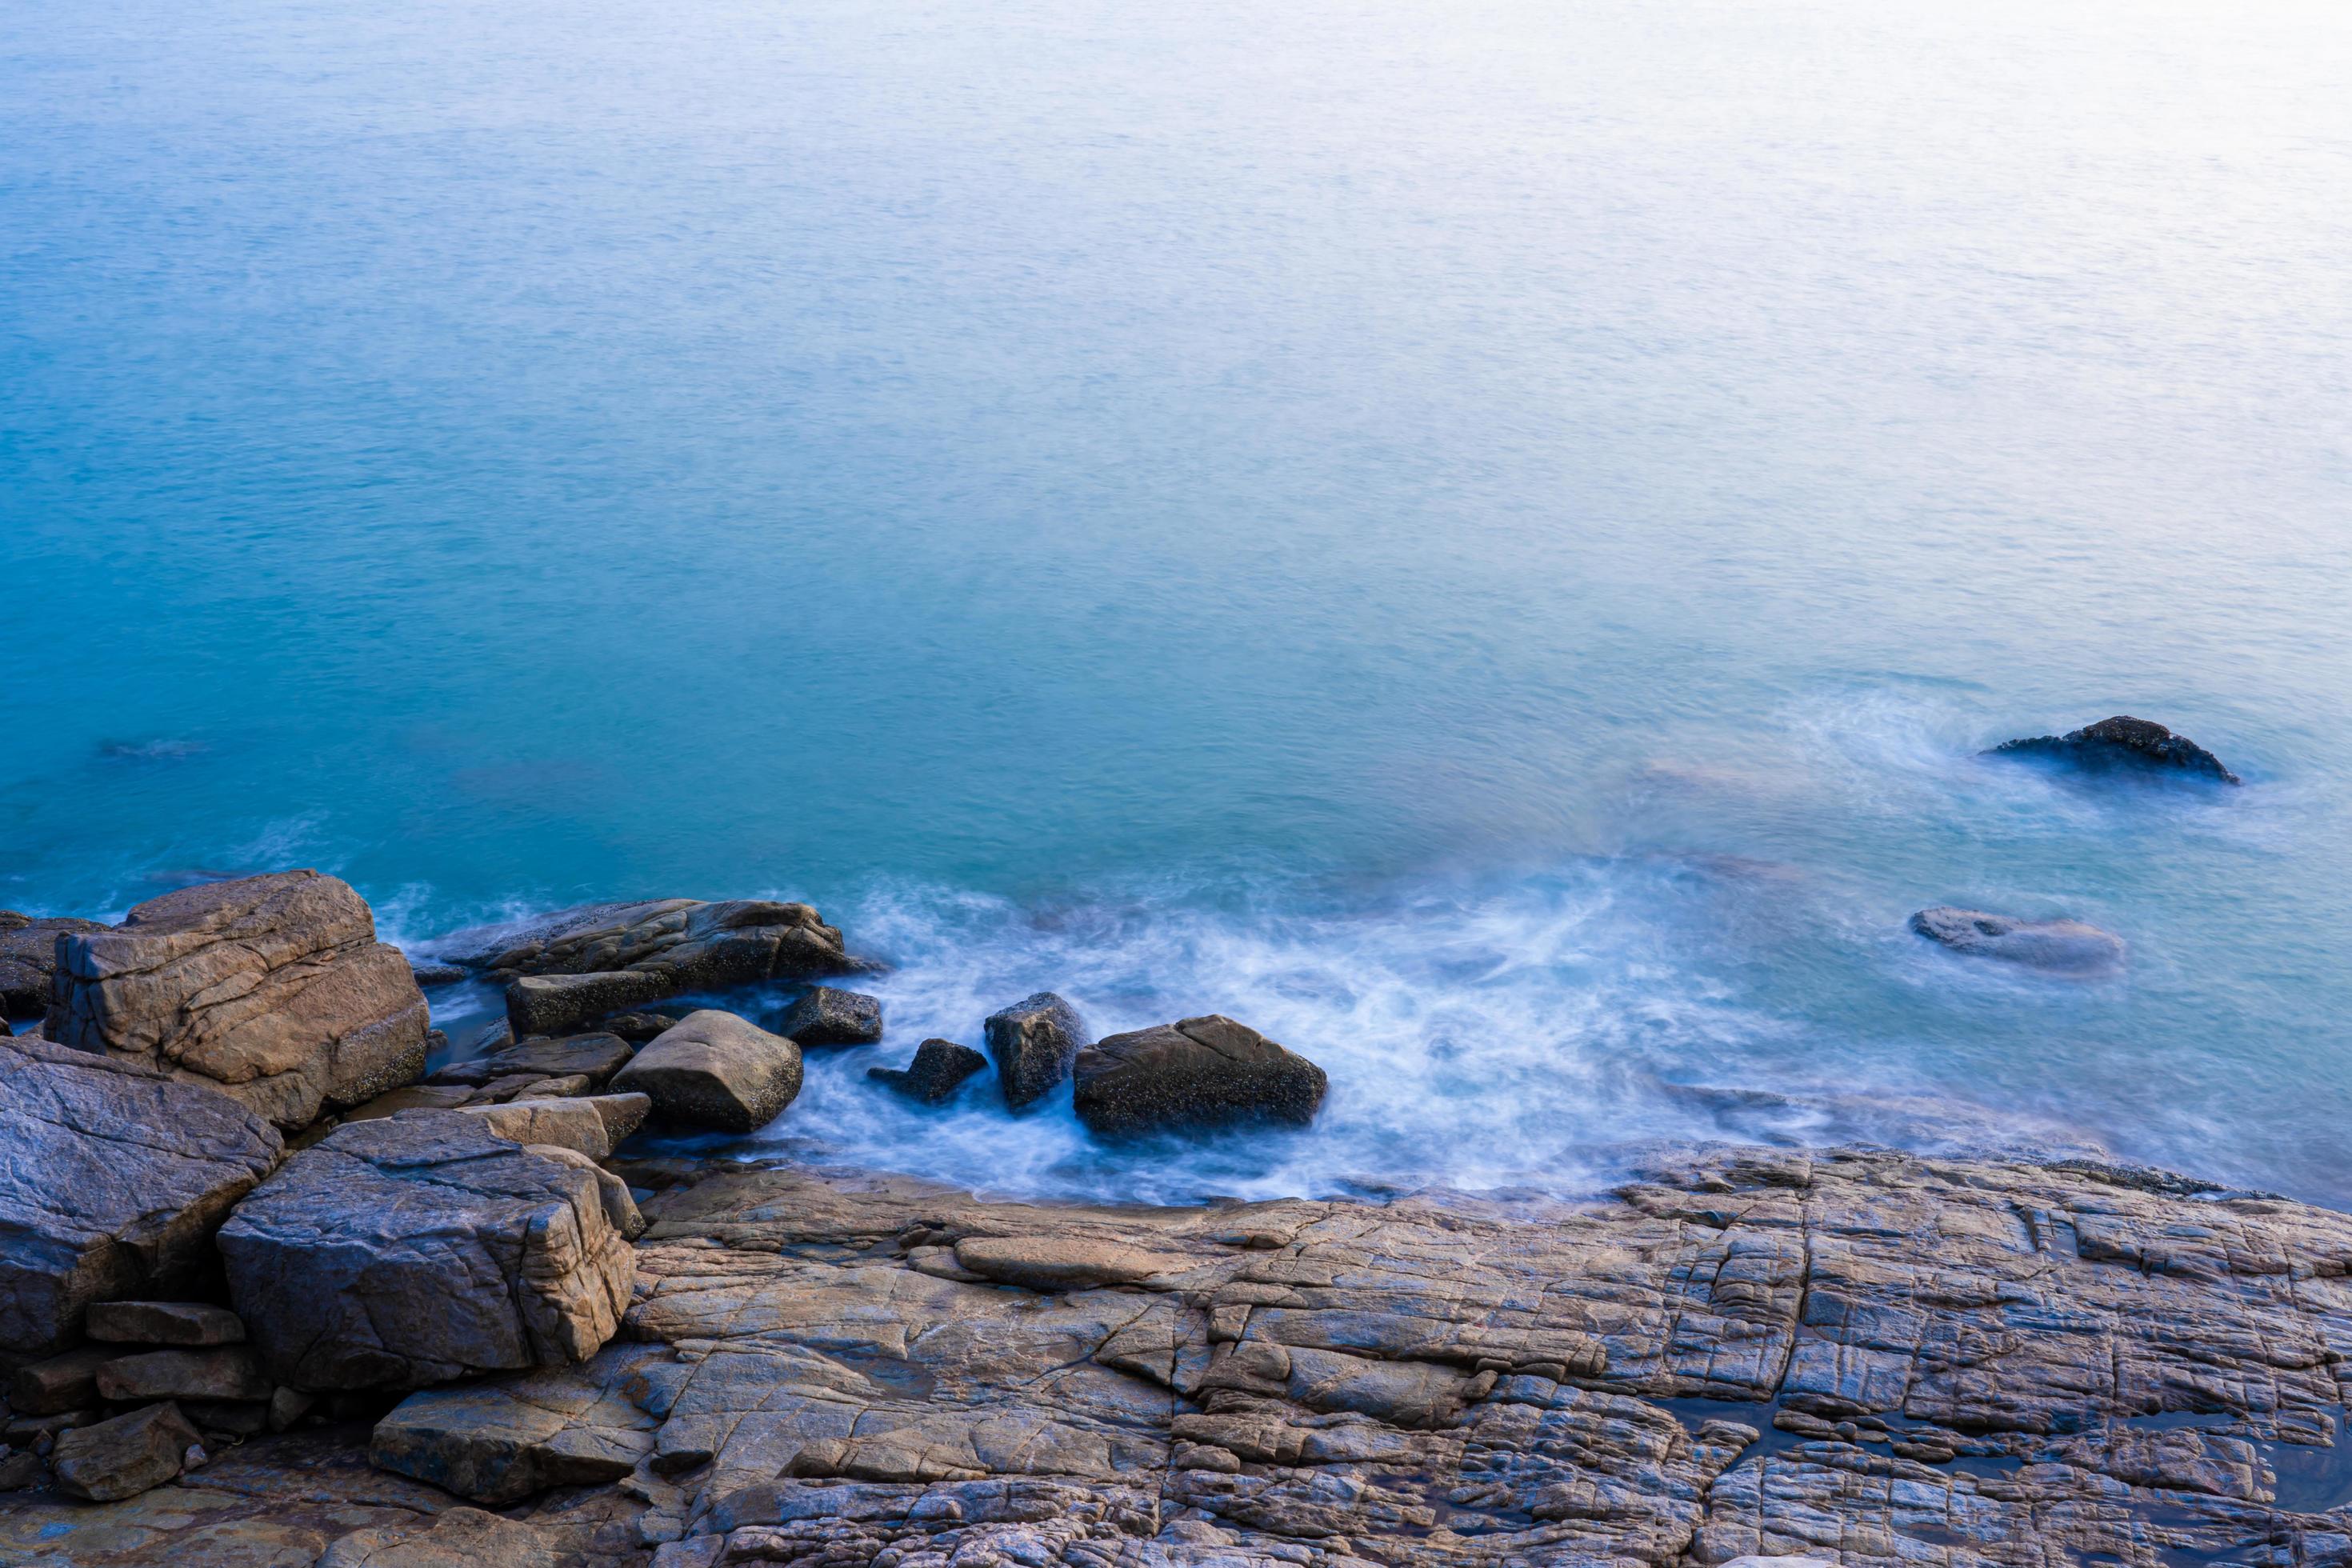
(694, 944)
(2122, 742)
(1034, 1043)
(163, 1323)
(1194, 1076)
(22, 1472)
(271, 989)
(592, 1126)
(638, 1027)
(410, 1250)
(112, 1180)
(124, 1456)
(595, 1057)
(431, 977)
(2062, 946)
(716, 1070)
(500, 1441)
(939, 1069)
(825, 1016)
(28, 957)
(223, 1371)
(559, 1003)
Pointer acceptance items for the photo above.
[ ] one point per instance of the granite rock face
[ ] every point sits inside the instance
(939, 1069)
(717, 1070)
(112, 1180)
(1034, 1043)
(1194, 1075)
(2062, 946)
(414, 1250)
(28, 957)
(828, 1016)
(694, 945)
(271, 989)
(2125, 743)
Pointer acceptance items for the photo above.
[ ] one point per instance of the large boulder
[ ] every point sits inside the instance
(126, 1456)
(558, 1004)
(2063, 945)
(1033, 1042)
(413, 1249)
(939, 1069)
(29, 956)
(696, 945)
(2122, 741)
(1194, 1076)
(716, 1070)
(112, 1180)
(270, 989)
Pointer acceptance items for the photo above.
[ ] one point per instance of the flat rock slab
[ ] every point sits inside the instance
(596, 1057)
(223, 1371)
(591, 1125)
(271, 989)
(693, 944)
(825, 1016)
(414, 1250)
(1034, 1043)
(2060, 946)
(112, 1180)
(939, 1069)
(164, 1323)
(124, 1456)
(1198, 1074)
(501, 1441)
(716, 1070)
(558, 1004)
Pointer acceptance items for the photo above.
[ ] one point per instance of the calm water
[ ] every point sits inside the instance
(1482, 538)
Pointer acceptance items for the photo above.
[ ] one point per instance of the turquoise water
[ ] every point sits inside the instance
(1481, 538)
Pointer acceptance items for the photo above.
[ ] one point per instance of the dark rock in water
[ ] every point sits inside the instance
(2122, 742)
(126, 1456)
(559, 1003)
(163, 1323)
(716, 1070)
(112, 1182)
(694, 945)
(829, 1018)
(638, 1027)
(413, 1249)
(2066, 946)
(272, 990)
(593, 1057)
(939, 1069)
(432, 976)
(496, 1036)
(1194, 1076)
(1033, 1042)
(28, 957)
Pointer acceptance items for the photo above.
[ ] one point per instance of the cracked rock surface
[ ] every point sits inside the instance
(1861, 1358)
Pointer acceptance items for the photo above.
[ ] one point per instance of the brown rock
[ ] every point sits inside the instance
(61, 1383)
(1195, 1075)
(1033, 1042)
(163, 1323)
(229, 1372)
(596, 1057)
(692, 944)
(558, 1004)
(28, 957)
(124, 1456)
(716, 1070)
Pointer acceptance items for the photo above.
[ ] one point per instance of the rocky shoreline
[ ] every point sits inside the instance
(286, 1277)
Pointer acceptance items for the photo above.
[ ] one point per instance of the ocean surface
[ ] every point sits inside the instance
(1484, 538)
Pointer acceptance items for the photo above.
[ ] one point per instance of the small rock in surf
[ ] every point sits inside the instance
(2062, 946)
(2121, 741)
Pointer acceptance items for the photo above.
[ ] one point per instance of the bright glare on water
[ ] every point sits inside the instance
(1483, 539)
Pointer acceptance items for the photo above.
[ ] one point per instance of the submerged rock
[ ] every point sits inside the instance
(126, 1456)
(420, 1248)
(1194, 1076)
(271, 989)
(112, 1180)
(939, 1069)
(716, 1070)
(28, 957)
(825, 1016)
(2063, 945)
(1034, 1043)
(2122, 741)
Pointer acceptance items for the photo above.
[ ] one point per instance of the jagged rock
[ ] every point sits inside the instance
(112, 1180)
(28, 957)
(826, 1016)
(939, 1069)
(2063, 945)
(595, 1057)
(590, 1126)
(227, 1372)
(271, 989)
(2122, 742)
(638, 1027)
(1034, 1043)
(696, 945)
(411, 1250)
(163, 1323)
(124, 1456)
(501, 1441)
(1196, 1075)
(556, 1003)
(716, 1070)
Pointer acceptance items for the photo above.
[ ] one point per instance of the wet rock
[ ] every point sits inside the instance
(112, 1180)
(939, 1069)
(558, 1004)
(163, 1323)
(2122, 742)
(716, 1070)
(501, 1441)
(693, 944)
(431, 977)
(28, 957)
(638, 1027)
(1197, 1075)
(825, 1016)
(2063, 945)
(271, 989)
(1034, 1043)
(228, 1371)
(595, 1057)
(124, 1456)
(411, 1250)
(591, 1125)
